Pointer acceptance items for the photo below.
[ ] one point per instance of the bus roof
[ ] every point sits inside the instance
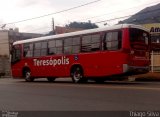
(120, 26)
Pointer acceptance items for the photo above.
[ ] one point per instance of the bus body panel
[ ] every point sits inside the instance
(93, 64)
(97, 64)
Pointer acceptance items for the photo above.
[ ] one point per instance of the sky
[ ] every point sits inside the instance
(17, 10)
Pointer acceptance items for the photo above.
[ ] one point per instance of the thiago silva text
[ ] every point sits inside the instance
(51, 62)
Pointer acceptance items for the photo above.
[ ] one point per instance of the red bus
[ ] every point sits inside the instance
(95, 53)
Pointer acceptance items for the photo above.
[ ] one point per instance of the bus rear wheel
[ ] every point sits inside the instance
(77, 75)
(27, 76)
(51, 79)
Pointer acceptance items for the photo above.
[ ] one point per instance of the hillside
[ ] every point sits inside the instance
(147, 15)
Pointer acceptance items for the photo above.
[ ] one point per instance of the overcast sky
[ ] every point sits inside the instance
(17, 10)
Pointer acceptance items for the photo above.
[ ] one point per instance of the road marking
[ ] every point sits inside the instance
(104, 86)
(110, 87)
(90, 85)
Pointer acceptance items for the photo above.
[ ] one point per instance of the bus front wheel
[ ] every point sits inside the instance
(77, 75)
(27, 75)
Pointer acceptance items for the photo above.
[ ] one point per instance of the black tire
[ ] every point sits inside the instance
(51, 79)
(77, 75)
(27, 76)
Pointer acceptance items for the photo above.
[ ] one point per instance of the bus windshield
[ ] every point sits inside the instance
(139, 38)
(16, 54)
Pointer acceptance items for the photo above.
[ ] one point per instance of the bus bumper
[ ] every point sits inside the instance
(135, 69)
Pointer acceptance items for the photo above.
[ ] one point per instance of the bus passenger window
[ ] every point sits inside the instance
(28, 50)
(44, 48)
(37, 49)
(59, 50)
(76, 45)
(37, 53)
(72, 45)
(59, 45)
(96, 42)
(112, 41)
(68, 50)
(91, 43)
(75, 49)
(86, 43)
(51, 47)
(51, 51)
(68, 45)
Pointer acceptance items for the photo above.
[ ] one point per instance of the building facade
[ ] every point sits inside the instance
(154, 29)
(7, 37)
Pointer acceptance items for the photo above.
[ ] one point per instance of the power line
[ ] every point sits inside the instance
(53, 13)
(115, 18)
(112, 13)
(146, 12)
(118, 11)
(128, 16)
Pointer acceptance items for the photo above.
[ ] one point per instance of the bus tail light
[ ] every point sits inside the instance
(125, 68)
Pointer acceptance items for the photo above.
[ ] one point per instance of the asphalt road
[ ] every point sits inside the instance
(63, 95)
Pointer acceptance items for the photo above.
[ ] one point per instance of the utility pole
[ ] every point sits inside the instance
(53, 25)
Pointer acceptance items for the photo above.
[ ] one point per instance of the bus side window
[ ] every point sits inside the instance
(112, 40)
(51, 47)
(107, 41)
(59, 45)
(91, 43)
(55, 47)
(28, 50)
(86, 43)
(44, 49)
(72, 45)
(76, 45)
(37, 49)
(68, 42)
(96, 42)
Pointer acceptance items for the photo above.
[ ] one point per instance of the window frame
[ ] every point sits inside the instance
(30, 49)
(58, 46)
(119, 40)
(55, 47)
(72, 45)
(90, 45)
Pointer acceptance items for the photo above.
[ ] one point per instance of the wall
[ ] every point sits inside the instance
(4, 54)
(4, 43)
(154, 29)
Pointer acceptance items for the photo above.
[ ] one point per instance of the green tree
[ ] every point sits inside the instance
(82, 25)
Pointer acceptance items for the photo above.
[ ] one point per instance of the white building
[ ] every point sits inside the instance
(7, 37)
